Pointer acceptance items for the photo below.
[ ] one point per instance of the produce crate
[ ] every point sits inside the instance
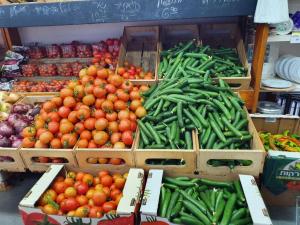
(28, 155)
(171, 35)
(227, 35)
(17, 165)
(139, 46)
(150, 201)
(276, 124)
(256, 154)
(127, 209)
(83, 154)
(189, 156)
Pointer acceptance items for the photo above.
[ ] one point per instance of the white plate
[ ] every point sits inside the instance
(276, 83)
(281, 67)
(286, 68)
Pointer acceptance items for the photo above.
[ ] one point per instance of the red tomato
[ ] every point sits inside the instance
(82, 188)
(69, 204)
(108, 206)
(127, 137)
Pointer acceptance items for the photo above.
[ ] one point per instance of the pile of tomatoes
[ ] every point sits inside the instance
(38, 86)
(99, 110)
(134, 72)
(83, 195)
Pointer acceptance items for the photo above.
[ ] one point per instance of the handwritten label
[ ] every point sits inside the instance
(47, 10)
(16, 10)
(101, 13)
(168, 8)
(128, 9)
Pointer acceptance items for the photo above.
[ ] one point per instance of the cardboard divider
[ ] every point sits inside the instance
(227, 35)
(189, 156)
(139, 46)
(256, 154)
(36, 99)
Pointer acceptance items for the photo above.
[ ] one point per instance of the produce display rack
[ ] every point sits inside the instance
(17, 165)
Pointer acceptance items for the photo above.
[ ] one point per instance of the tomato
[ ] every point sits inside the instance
(49, 209)
(103, 173)
(90, 123)
(82, 188)
(69, 140)
(133, 126)
(113, 127)
(64, 111)
(66, 127)
(39, 144)
(90, 193)
(102, 160)
(60, 198)
(46, 137)
(92, 144)
(49, 106)
(108, 206)
(69, 181)
(72, 175)
(65, 92)
(106, 180)
(39, 123)
(42, 159)
(99, 197)
(118, 198)
(70, 192)
(53, 116)
(135, 104)
(110, 88)
(89, 100)
(127, 137)
(95, 212)
(86, 135)
(101, 124)
(124, 125)
(79, 127)
(98, 113)
(115, 137)
(83, 114)
(59, 187)
(121, 70)
(119, 145)
(92, 71)
(88, 179)
(120, 182)
(101, 138)
(140, 112)
(112, 97)
(79, 176)
(144, 88)
(82, 200)
(132, 116)
(134, 95)
(111, 116)
(82, 143)
(123, 114)
(82, 72)
(107, 106)
(29, 132)
(123, 95)
(69, 204)
(127, 86)
(55, 143)
(57, 101)
(96, 180)
(120, 105)
(53, 127)
(69, 102)
(115, 161)
(102, 73)
(99, 92)
(73, 117)
(114, 194)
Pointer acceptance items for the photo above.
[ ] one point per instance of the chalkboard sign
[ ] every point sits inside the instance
(106, 11)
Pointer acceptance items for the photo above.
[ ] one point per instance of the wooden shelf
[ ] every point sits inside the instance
(115, 11)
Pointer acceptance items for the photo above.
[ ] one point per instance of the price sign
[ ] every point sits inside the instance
(295, 38)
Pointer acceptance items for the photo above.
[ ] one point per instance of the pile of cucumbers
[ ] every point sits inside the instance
(176, 107)
(194, 60)
(203, 202)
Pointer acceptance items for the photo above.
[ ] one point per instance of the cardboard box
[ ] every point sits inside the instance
(126, 211)
(150, 202)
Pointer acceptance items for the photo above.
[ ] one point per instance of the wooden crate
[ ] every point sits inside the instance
(189, 156)
(170, 35)
(139, 46)
(256, 154)
(35, 99)
(28, 154)
(227, 35)
(276, 124)
(17, 165)
(82, 155)
(38, 93)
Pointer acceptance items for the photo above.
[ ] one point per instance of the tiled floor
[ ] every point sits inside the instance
(23, 182)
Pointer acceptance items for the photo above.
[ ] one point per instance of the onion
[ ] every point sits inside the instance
(19, 125)
(4, 142)
(6, 129)
(21, 108)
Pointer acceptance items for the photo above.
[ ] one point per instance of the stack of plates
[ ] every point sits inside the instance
(288, 67)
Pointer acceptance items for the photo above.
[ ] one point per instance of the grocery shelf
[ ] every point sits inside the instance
(279, 38)
(113, 11)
